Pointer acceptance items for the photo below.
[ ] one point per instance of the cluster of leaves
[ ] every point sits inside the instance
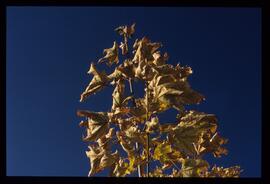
(133, 123)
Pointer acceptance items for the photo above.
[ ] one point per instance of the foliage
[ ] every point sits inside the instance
(133, 123)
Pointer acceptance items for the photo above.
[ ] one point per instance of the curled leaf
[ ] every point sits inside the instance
(165, 153)
(111, 55)
(124, 48)
(98, 124)
(144, 50)
(152, 125)
(194, 167)
(126, 30)
(99, 80)
(190, 129)
(160, 60)
(224, 172)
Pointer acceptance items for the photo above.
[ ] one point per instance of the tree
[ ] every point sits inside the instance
(133, 123)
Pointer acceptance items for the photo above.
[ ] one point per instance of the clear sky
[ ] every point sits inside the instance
(49, 50)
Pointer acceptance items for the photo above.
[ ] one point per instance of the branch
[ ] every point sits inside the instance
(147, 145)
(133, 102)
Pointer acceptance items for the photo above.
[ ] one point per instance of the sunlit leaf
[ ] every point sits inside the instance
(224, 172)
(111, 55)
(194, 167)
(126, 30)
(99, 80)
(190, 128)
(144, 49)
(98, 124)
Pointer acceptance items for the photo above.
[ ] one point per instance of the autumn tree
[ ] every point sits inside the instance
(133, 123)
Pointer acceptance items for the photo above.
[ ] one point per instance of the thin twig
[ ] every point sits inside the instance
(174, 164)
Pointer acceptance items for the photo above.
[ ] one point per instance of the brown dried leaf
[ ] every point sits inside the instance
(189, 130)
(234, 172)
(194, 167)
(98, 124)
(99, 80)
(144, 50)
(160, 60)
(126, 30)
(111, 55)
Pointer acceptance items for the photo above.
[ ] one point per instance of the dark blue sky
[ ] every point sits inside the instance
(49, 50)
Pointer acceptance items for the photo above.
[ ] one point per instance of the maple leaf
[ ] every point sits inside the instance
(212, 143)
(144, 71)
(224, 172)
(111, 55)
(97, 126)
(95, 156)
(124, 48)
(160, 60)
(127, 69)
(119, 99)
(99, 80)
(144, 50)
(190, 128)
(100, 156)
(193, 167)
(170, 92)
(120, 168)
(126, 30)
(152, 125)
(165, 153)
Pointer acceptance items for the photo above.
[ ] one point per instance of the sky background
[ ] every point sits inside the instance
(49, 50)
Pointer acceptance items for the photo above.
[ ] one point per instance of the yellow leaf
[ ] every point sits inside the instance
(194, 167)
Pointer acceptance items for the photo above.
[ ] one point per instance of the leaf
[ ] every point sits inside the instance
(234, 172)
(158, 172)
(144, 71)
(118, 94)
(100, 160)
(193, 167)
(135, 135)
(164, 91)
(126, 30)
(160, 60)
(99, 80)
(190, 128)
(125, 123)
(126, 143)
(169, 92)
(178, 72)
(161, 152)
(120, 168)
(100, 156)
(139, 111)
(108, 159)
(124, 48)
(165, 153)
(212, 143)
(152, 125)
(98, 124)
(111, 55)
(95, 156)
(127, 69)
(144, 50)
